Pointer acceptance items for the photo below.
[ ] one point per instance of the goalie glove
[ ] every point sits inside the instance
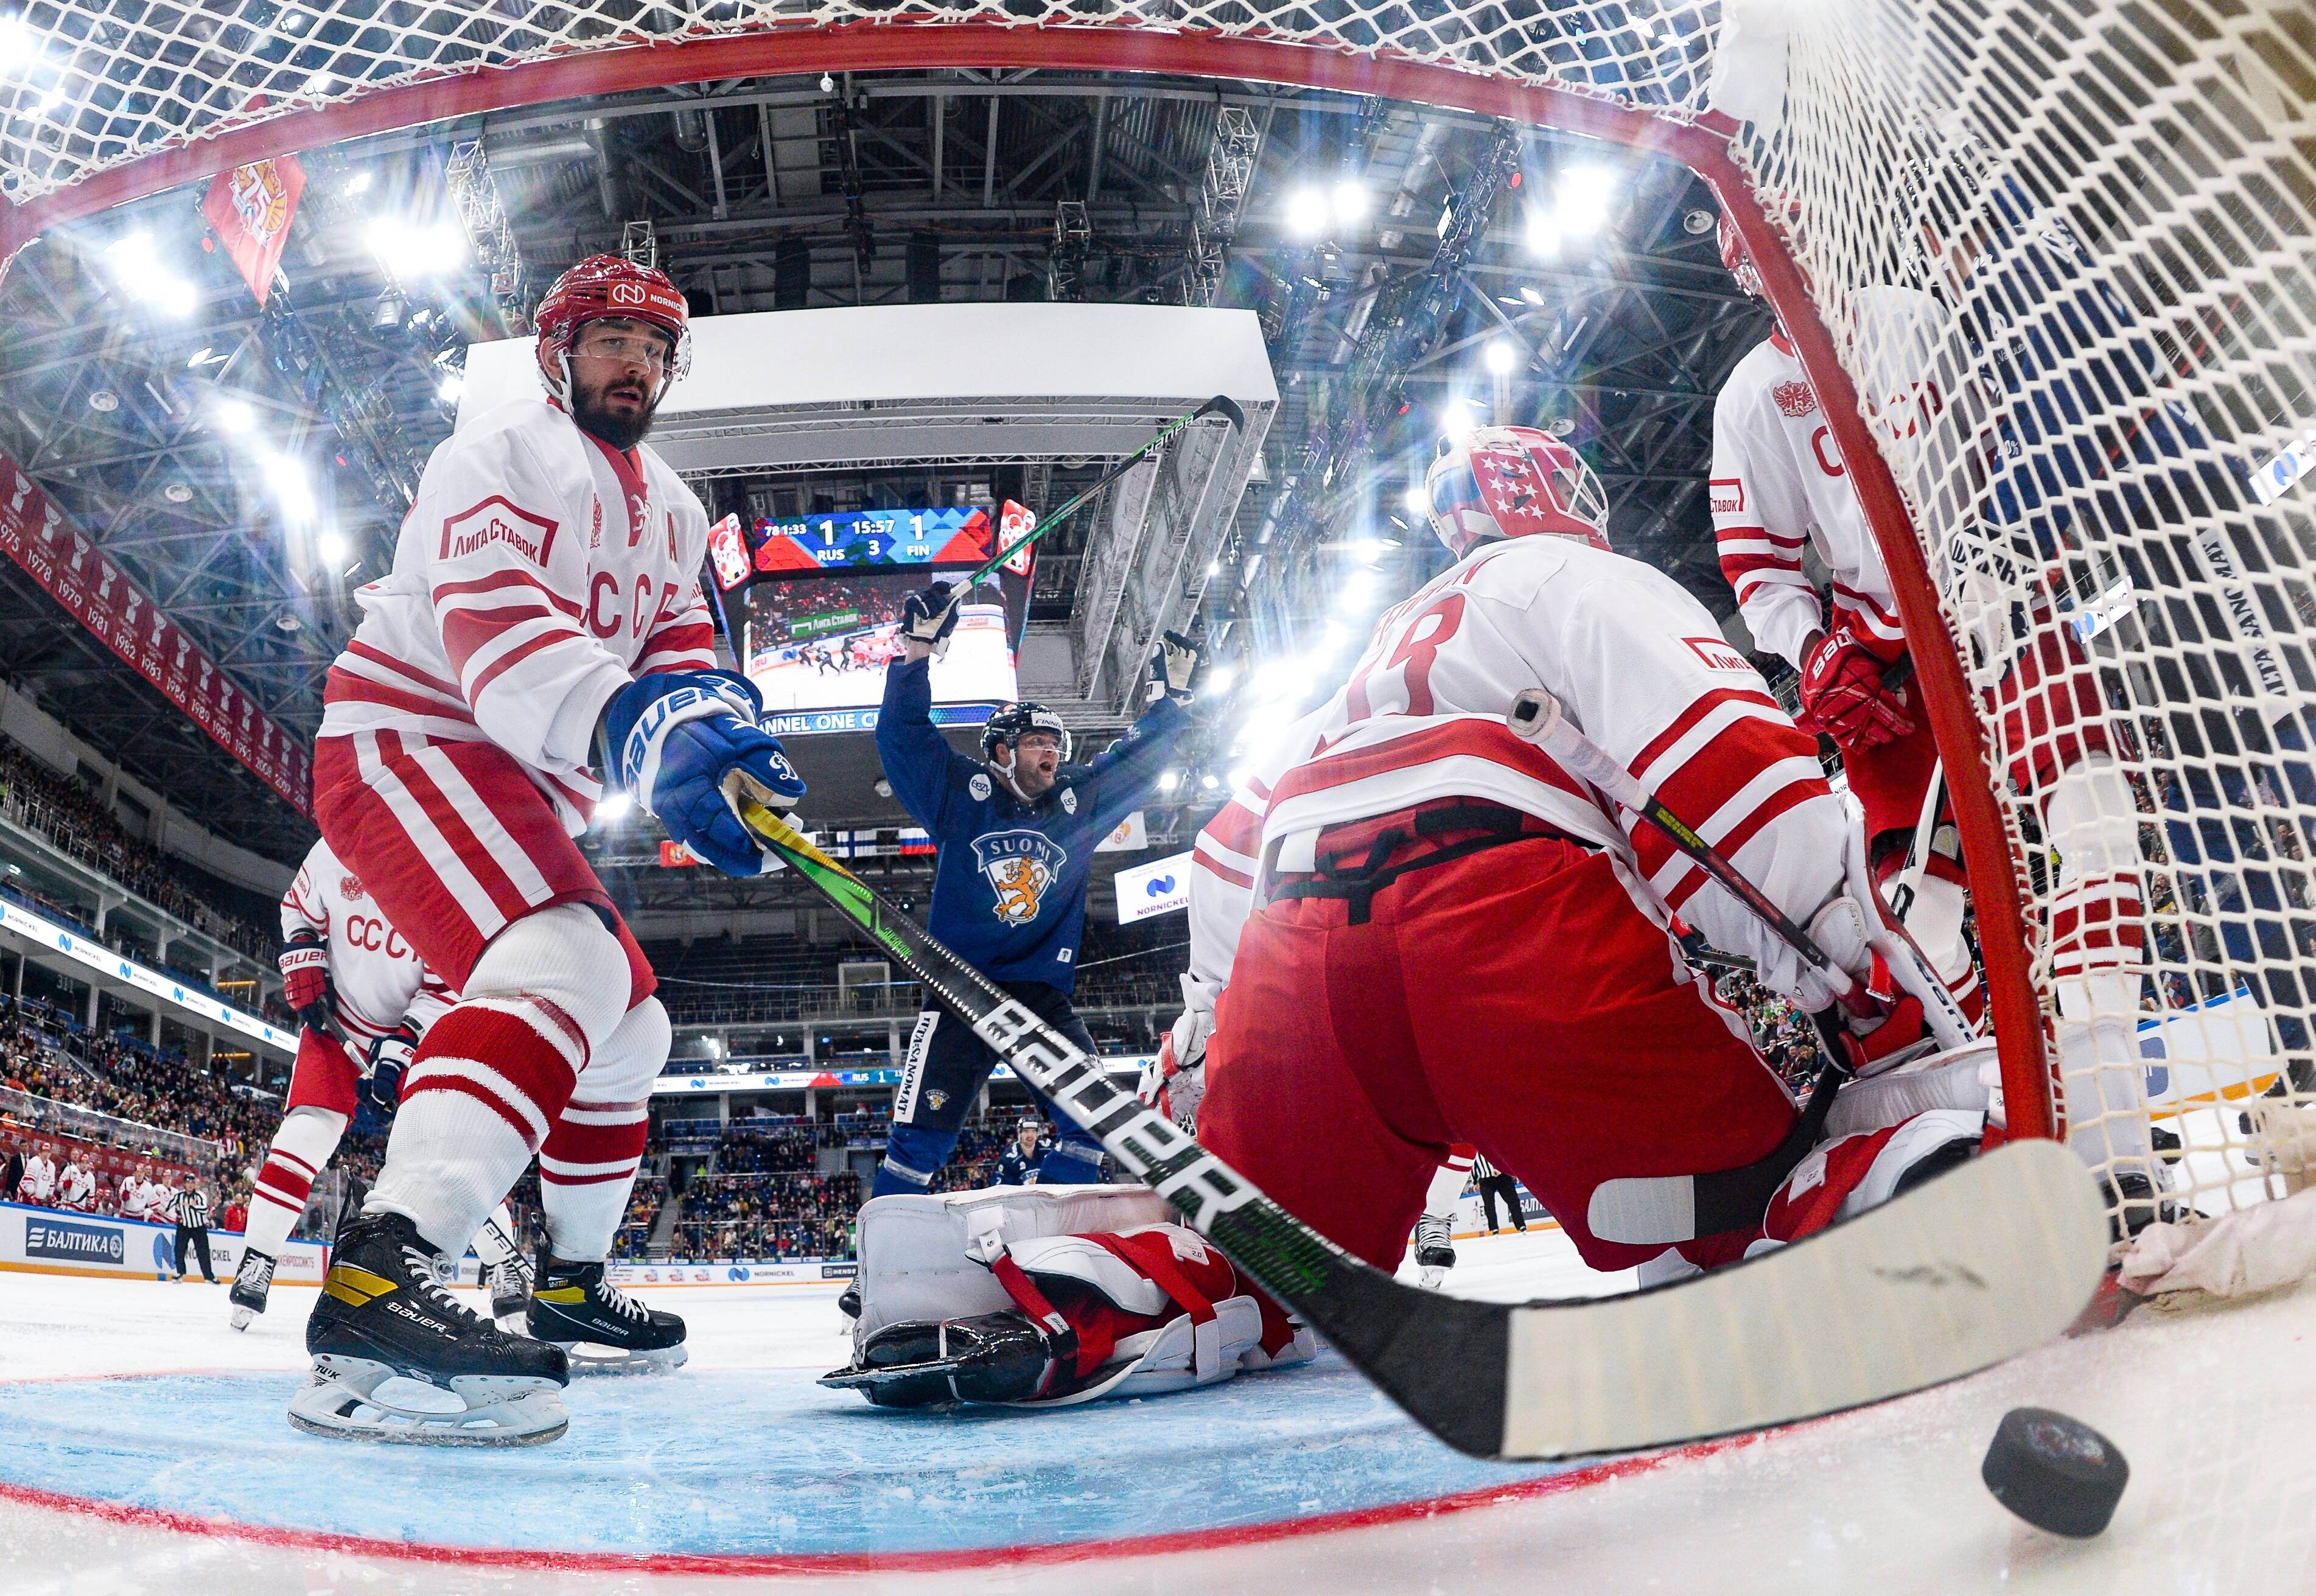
(929, 618)
(1842, 695)
(1173, 667)
(389, 1056)
(305, 983)
(680, 741)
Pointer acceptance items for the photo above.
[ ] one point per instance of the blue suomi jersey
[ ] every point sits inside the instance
(1009, 887)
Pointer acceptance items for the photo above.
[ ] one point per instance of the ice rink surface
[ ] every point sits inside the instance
(143, 1448)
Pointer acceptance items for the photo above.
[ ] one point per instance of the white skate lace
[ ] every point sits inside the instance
(1430, 1231)
(427, 1285)
(618, 1300)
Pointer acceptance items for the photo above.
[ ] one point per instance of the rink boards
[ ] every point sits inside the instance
(58, 1242)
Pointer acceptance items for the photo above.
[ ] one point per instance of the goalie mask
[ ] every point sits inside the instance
(599, 289)
(1514, 482)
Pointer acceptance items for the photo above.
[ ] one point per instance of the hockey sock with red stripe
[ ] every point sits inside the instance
(301, 1150)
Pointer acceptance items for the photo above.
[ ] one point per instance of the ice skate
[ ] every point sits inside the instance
(603, 1329)
(509, 1283)
(385, 1318)
(848, 1301)
(251, 1283)
(1435, 1251)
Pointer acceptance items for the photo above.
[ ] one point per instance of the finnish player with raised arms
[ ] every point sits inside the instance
(1410, 928)
(1016, 833)
(543, 630)
(363, 998)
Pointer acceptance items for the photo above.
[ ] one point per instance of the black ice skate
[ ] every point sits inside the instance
(602, 1329)
(509, 1283)
(848, 1301)
(1435, 1251)
(251, 1282)
(383, 1313)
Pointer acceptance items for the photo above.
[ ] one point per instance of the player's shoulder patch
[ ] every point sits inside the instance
(497, 519)
(1727, 495)
(1069, 800)
(1718, 654)
(979, 787)
(349, 886)
(1794, 398)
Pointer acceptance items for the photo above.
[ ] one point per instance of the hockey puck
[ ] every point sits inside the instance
(2056, 1473)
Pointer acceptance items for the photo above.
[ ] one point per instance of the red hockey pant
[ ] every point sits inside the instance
(1514, 999)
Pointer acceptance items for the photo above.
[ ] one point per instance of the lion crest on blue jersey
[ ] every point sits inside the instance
(1020, 866)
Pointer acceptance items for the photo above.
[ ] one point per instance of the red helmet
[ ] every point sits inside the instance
(603, 286)
(1734, 255)
(1514, 482)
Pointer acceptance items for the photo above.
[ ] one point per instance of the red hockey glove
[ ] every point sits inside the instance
(1843, 694)
(1870, 1047)
(306, 980)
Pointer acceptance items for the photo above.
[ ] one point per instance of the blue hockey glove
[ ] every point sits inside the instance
(678, 739)
(389, 1056)
(929, 618)
(1173, 668)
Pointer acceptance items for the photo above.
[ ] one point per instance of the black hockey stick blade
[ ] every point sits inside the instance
(1976, 1266)
(1224, 405)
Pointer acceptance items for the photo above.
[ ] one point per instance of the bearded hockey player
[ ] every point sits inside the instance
(1016, 834)
(1420, 930)
(543, 620)
(363, 997)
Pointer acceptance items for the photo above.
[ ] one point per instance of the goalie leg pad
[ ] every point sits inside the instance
(1843, 1179)
(923, 1363)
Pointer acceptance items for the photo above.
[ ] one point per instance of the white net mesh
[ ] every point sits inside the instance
(2064, 246)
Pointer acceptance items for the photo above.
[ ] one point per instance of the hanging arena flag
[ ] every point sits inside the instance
(250, 208)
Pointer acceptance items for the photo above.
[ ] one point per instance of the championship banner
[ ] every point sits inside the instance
(38, 535)
(250, 208)
(1158, 888)
(1131, 836)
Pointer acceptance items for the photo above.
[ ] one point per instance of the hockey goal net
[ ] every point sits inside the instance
(2076, 429)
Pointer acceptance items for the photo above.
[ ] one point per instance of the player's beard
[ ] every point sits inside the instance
(621, 431)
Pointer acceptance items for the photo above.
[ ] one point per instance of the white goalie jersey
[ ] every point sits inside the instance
(1637, 663)
(537, 573)
(378, 978)
(1779, 482)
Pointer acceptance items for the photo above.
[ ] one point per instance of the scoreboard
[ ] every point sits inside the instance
(868, 539)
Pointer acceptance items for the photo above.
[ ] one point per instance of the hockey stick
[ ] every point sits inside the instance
(1536, 715)
(1974, 1266)
(1221, 405)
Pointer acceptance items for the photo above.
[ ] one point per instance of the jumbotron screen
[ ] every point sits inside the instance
(817, 647)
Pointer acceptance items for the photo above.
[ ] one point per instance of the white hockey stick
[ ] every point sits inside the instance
(1978, 1265)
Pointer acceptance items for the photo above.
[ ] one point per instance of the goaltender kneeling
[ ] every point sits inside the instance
(1083, 1293)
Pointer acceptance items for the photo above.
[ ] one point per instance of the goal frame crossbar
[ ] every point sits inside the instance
(1706, 145)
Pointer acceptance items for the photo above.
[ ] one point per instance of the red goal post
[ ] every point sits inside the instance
(2172, 137)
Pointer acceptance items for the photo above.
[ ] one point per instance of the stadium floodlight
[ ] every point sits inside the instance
(1457, 421)
(286, 476)
(235, 415)
(1580, 199)
(331, 547)
(1419, 501)
(614, 807)
(1218, 679)
(1210, 783)
(141, 275)
(18, 47)
(1529, 293)
(1169, 780)
(1501, 356)
(411, 250)
(452, 385)
(1545, 235)
(359, 183)
(1352, 202)
(1306, 213)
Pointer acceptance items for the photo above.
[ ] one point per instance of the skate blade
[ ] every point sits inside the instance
(242, 1318)
(594, 1358)
(340, 1401)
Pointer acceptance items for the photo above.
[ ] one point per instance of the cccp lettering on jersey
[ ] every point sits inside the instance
(373, 935)
(496, 520)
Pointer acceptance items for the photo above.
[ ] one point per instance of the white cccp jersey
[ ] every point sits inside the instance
(378, 978)
(1779, 481)
(76, 1187)
(1638, 664)
(538, 573)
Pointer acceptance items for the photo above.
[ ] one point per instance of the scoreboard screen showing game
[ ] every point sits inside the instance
(866, 539)
(817, 647)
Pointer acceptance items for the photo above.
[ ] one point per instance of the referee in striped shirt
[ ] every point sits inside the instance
(190, 1208)
(1491, 1182)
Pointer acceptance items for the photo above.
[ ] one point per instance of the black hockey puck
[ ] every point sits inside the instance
(2056, 1473)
